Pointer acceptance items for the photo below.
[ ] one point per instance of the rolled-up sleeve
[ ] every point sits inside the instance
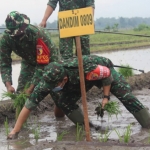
(89, 3)
(107, 81)
(39, 93)
(52, 3)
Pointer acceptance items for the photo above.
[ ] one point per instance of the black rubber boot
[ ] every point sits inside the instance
(77, 116)
(143, 117)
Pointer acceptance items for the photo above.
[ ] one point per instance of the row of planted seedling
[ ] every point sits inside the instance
(80, 133)
(111, 107)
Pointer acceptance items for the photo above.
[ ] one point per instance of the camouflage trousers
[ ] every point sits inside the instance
(26, 74)
(66, 46)
(119, 88)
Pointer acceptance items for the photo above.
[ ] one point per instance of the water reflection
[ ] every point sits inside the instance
(138, 59)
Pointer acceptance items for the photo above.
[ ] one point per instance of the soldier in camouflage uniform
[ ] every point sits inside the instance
(64, 76)
(33, 44)
(66, 44)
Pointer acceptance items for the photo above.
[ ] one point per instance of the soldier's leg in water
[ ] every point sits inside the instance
(57, 111)
(67, 103)
(25, 76)
(66, 47)
(121, 89)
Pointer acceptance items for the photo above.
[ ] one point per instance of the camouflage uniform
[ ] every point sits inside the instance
(66, 44)
(71, 93)
(25, 47)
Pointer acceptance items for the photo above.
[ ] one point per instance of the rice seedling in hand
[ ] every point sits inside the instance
(112, 108)
(8, 95)
(18, 99)
(125, 71)
(61, 135)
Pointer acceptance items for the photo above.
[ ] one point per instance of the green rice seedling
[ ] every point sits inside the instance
(18, 99)
(36, 129)
(8, 95)
(104, 137)
(148, 142)
(7, 130)
(126, 135)
(79, 132)
(125, 71)
(19, 102)
(112, 108)
(118, 133)
(36, 132)
(61, 135)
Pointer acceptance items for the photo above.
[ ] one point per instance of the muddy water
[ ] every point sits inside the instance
(138, 59)
(51, 128)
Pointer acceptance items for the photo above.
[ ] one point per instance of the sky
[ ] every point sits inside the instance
(103, 8)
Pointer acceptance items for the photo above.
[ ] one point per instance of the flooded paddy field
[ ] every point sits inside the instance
(61, 133)
(53, 131)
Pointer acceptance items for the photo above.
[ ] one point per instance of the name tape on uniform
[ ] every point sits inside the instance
(76, 22)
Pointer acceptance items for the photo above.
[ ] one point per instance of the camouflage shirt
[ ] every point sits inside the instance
(73, 85)
(70, 4)
(25, 48)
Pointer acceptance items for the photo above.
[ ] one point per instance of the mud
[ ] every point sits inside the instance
(51, 128)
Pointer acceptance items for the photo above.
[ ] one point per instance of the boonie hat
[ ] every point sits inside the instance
(16, 23)
(53, 74)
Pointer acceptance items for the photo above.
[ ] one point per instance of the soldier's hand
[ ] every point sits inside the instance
(42, 24)
(104, 102)
(12, 135)
(10, 89)
(28, 91)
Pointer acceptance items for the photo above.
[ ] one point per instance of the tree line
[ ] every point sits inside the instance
(113, 23)
(108, 23)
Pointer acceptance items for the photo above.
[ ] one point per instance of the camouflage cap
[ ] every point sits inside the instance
(16, 23)
(53, 74)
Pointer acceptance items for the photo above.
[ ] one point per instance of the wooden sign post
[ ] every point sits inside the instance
(74, 23)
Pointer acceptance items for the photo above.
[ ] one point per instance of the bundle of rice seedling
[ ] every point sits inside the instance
(125, 71)
(112, 108)
(18, 99)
